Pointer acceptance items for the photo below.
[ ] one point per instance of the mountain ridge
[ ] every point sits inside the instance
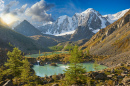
(72, 23)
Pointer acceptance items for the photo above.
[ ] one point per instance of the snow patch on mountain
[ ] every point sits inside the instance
(90, 28)
(47, 23)
(95, 31)
(113, 17)
(66, 33)
(103, 22)
(61, 19)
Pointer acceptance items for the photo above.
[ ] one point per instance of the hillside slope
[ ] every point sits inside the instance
(15, 39)
(45, 40)
(113, 40)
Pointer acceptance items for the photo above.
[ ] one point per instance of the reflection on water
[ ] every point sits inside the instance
(51, 70)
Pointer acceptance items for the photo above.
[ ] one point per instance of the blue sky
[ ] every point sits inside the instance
(70, 7)
(103, 6)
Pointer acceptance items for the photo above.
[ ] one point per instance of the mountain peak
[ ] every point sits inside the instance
(27, 29)
(63, 17)
(25, 21)
(89, 10)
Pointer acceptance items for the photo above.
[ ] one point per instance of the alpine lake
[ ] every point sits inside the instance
(48, 70)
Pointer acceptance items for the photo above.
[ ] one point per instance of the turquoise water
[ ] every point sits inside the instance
(51, 70)
(49, 53)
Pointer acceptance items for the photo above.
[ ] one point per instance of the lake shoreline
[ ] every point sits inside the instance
(90, 65)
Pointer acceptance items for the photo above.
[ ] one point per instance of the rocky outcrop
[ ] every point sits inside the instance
(98, 76)
(101, 76)
(82, 32)
(126, 81)
(41, 63)
(53, 64)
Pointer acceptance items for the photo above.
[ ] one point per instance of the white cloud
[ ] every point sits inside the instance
(14, 14)
(6, 9)
(1, 5)
(38, 11)
(21, 10)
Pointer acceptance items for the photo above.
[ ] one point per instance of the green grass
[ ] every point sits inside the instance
(56, 48)
(69, 47)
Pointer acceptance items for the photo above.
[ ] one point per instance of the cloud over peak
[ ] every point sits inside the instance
(38, 11)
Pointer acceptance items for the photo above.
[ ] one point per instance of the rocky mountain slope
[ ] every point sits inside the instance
(114, 40)
(27, 29)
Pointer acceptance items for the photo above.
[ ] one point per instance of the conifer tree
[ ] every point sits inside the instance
(14, 62)
(74, 74)
(39, 53)
(95, 65)
(20, 68)
(26, 73)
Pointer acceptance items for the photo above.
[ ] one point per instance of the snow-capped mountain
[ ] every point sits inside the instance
(113, 17)
(90, 22)
(90, 18)
(61, 25)
(66, 24)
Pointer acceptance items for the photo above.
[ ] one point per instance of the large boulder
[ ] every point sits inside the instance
(53, 64)
(93, 74)
(126, 81)
(101, 76)
(98, 76)
(128, 65)
(41, 63)
(110, 76)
